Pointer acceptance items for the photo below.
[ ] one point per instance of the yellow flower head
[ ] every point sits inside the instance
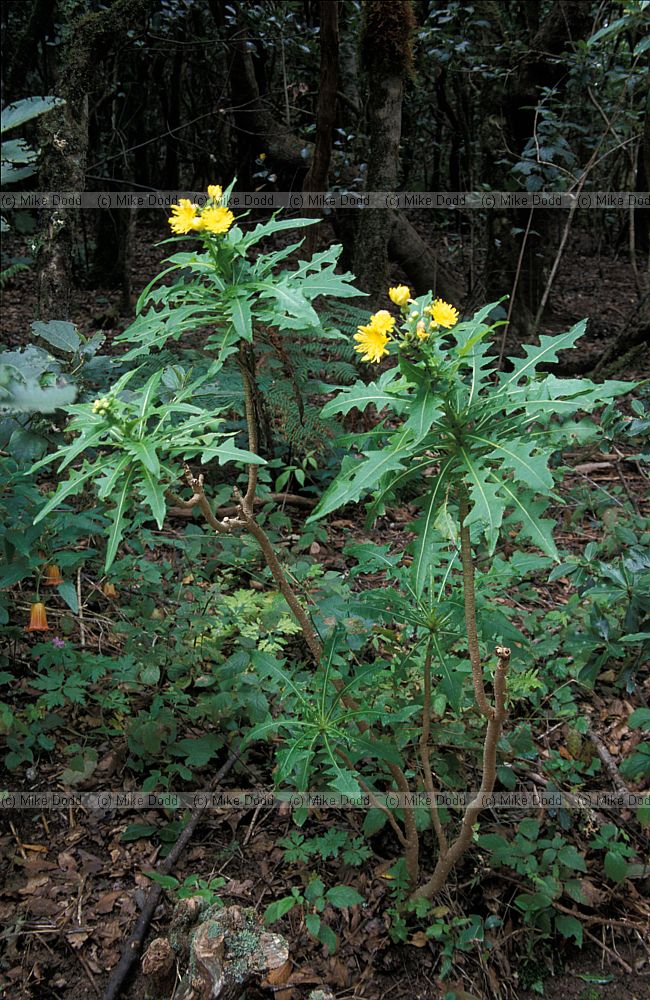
(421, 331)
(399, 295)
(381, 321)
(215, 191)
(372, 338)
(184, 217)
(217, 219)
(443, 314)
(371, 344)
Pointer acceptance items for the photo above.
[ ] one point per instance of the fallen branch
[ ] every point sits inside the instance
(133, 946)
(608, 763)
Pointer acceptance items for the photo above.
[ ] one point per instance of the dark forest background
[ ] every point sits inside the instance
(414, 96)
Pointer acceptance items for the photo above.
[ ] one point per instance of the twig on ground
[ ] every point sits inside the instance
(133, 946)
(608, 763)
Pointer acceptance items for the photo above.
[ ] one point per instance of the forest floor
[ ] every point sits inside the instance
(72, 888)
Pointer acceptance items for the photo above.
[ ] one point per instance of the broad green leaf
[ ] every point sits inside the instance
(571, 858)
(62, 335)
(487, 504)
(275, 911)
(229, 452)
(145, 403)
(240, 313)
(118, 521)
(343, 896)
(426, 526)
(71, 486)
(528, 513)
(17, 151)
(145, 451)
(517, 456)
(424, 409)
(545, 354)
(154, 495)
(640, 717)
(363, 477)
(569, 927)
(274, 225)
(68, 592)
(23, 111)
(114, 467)
(360, 396)
(615, 866)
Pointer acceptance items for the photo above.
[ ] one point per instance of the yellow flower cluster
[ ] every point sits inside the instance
(373, 338)
(187, 217)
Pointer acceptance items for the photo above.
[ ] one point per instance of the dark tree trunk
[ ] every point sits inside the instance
(316, 179)
(64, 145)
(254, 122)
(566, 22)
(642, 215)
(348, 58)
(171, 174)
(387, 57)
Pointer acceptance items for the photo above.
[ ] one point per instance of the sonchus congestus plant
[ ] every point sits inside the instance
(149, 437)
(473, 446)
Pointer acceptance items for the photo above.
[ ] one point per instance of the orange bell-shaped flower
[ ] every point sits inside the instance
(38, 619)
(52, 576)
(109, 590)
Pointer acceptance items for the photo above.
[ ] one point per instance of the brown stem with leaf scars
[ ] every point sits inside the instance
(467, 563)
(425, 752)
(455, 852)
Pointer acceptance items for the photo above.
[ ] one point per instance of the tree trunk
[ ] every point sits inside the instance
(64, 145)
(316, 179)
(566, 21)
(419, 262)
(386, 49)
(642, 215)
